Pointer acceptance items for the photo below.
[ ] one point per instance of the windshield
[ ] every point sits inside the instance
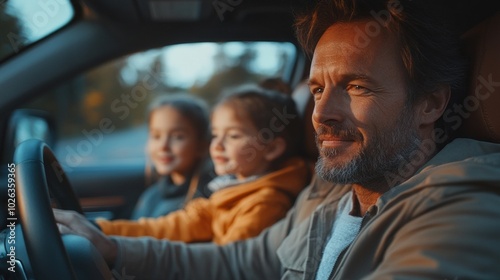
(23, 22)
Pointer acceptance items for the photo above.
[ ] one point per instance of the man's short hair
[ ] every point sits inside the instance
(430, 50)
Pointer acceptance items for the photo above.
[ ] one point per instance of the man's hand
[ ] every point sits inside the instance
(70, 222)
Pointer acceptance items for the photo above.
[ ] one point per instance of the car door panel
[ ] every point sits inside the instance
(108, 191)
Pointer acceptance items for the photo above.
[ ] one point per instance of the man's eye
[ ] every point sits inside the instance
(357, 90)
(317, 90)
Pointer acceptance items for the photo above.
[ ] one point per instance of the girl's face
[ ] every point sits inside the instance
(235, 148)
(174, 146)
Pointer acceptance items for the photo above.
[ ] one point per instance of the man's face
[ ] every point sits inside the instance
(363, 126)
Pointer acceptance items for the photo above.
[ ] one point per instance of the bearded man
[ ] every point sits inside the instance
(397, 196)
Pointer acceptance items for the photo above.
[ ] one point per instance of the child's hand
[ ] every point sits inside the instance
(70, 222)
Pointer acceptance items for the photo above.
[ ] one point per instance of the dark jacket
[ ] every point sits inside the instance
(165, 197)
(160, 199)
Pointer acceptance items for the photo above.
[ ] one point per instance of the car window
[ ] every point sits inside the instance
(23, 22)
(100, 115)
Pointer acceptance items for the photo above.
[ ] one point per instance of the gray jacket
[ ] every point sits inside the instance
(442, 223)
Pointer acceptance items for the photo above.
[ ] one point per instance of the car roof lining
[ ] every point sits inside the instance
(139, 11)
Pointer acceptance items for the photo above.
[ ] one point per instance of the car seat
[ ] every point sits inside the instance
(482, 104)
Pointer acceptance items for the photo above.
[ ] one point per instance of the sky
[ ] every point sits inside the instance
(193, 63)
(40, 17)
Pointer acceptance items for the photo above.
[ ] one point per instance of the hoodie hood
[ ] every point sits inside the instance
(462, 164)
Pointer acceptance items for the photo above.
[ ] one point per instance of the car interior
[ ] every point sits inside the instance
(74, 93)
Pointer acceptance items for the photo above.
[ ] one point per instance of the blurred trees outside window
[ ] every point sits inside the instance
(101, 114)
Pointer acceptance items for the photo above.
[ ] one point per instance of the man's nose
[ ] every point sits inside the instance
(330, 106)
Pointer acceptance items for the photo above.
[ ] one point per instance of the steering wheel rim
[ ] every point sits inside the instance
(36, 170)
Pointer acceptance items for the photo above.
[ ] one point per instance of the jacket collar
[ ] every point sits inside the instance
(459, 162)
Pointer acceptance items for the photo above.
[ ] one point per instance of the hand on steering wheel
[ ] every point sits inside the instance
(37, 172)
(70, 222)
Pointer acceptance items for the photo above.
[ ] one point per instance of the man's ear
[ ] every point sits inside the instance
(432, 107)
(275, 149)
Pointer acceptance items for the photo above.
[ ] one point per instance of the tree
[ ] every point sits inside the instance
(11, 34)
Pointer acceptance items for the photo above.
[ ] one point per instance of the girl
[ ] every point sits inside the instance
(177, 143)
(255, 141)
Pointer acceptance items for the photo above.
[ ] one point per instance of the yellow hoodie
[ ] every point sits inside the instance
(230, 214)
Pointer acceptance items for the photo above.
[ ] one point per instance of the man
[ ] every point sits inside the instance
(391, 201)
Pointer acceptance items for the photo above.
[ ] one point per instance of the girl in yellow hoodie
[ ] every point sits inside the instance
(255, 141)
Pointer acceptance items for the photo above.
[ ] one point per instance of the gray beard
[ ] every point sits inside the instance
(385, 154)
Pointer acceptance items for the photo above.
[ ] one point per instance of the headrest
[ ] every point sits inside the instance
(482, 43)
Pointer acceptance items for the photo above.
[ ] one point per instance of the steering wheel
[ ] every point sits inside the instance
(37, 172)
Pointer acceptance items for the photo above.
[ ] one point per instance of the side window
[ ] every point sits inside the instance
(100, 115)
